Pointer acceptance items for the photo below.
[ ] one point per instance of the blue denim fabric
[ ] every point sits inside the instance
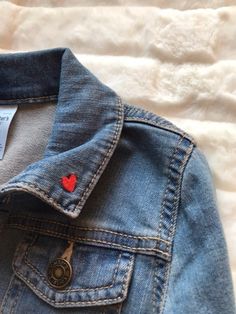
(143, 216)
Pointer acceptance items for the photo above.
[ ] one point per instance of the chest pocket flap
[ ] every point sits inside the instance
(100, 276)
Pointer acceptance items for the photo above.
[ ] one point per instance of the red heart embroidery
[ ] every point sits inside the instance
(69, 182)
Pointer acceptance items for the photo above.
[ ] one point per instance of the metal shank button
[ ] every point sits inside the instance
(59, 273)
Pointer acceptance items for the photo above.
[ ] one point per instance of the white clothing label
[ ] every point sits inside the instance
(6, 116)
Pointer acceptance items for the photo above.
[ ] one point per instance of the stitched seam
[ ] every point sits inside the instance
(154, 308)
(11, 284)
(30, 98)
(27, 261)
(115, 136)
(78, 289)
(16, 298)
(42, 194)
(6, 296)
(81, 302)
(96, 241)
(168, 269)
(167, 185)
(178, 131)
(177, 197)
(49, 232)
(162, 285)
(119, 308)
(92, 229)
(165, 287)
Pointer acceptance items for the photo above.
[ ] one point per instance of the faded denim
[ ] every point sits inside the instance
(143, 216)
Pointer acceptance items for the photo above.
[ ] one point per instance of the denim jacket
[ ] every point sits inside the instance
(118, 215)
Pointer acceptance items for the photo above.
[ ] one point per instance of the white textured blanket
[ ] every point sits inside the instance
(177, 61)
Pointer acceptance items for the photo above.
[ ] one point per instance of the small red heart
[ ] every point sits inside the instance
(69, 182)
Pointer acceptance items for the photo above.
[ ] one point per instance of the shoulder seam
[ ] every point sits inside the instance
(152, 120)
(153, 123)
(186, 157)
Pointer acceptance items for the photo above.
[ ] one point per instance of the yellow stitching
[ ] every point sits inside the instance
(92, 240)
(43, 195)
(91, 229)
(27, 261)
(31, 188)
(115, 137)
(162, 126)
(80, 302)
(154, 288)
(168, 183)
(181, 170)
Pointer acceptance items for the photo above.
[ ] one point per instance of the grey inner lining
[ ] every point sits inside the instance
(27, 138)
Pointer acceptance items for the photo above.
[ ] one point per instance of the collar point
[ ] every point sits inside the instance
(32, 189)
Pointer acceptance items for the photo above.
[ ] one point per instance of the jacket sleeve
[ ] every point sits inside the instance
(199, 276)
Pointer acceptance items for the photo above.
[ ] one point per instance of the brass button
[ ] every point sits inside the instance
(59, 273)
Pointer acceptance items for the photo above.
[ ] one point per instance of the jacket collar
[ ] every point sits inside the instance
(85, 132)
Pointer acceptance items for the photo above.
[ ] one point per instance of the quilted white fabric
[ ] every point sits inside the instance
(177, 61)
